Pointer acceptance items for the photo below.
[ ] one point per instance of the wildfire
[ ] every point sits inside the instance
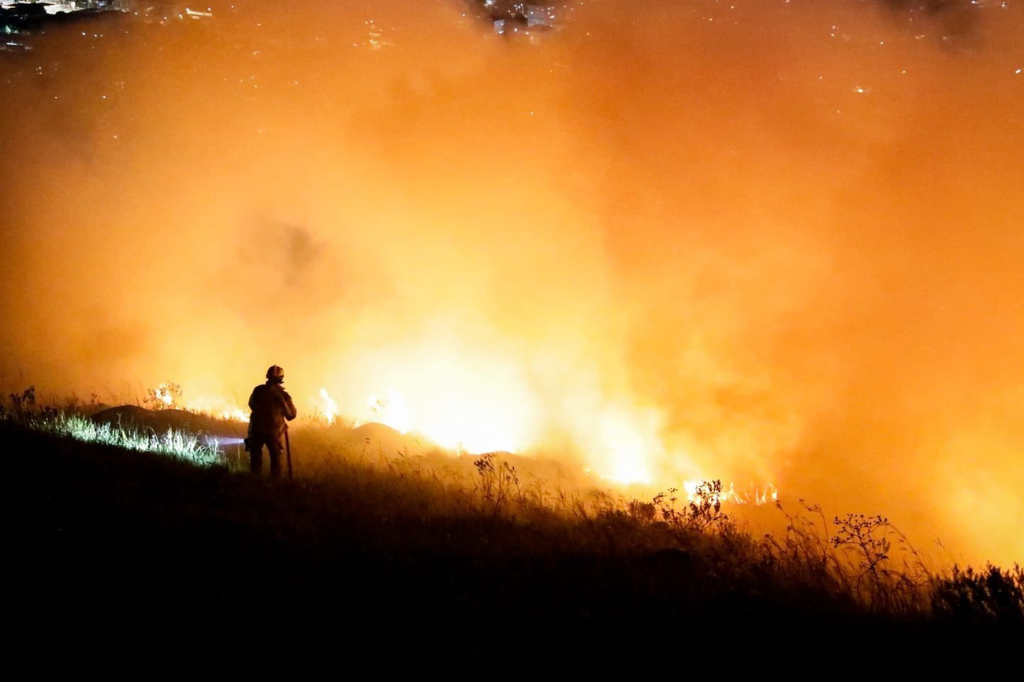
(218, 407)
(463, 396)
(235, 414)
(390, 410)
(755, 496)
(621, 443)
(168, 396)
(628, 441)
(454, 421)
(330, 408)
(165, 396)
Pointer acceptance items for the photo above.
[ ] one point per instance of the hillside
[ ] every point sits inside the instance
(130, 562)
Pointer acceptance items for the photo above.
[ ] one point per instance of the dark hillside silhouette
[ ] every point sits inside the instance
(130, 562)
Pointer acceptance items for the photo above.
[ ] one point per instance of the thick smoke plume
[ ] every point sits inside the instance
(755, 241)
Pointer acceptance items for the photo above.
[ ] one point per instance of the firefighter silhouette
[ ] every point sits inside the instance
(272, 409)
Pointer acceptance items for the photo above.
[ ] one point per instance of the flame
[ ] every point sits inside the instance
(622, 449)
(165, 394)
(755, 496)
(464, 396)
(390, 410)
(444, 401)
(330, 408)
(217, 407)
(628, 444)
(456, 420)
(472, 396)
(234, 414)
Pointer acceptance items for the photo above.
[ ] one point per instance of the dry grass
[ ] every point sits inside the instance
(513, 542)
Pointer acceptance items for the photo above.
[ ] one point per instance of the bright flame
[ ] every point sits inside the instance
(456, 421)
(330, 407)
(755, 496)
(390, 410)
(475, 402)
(473, 396)
(166, 393)
(217, 407)
(468, 397)
(629, 444)
(235, 414)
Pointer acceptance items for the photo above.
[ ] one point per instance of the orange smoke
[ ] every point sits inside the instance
(756, 242)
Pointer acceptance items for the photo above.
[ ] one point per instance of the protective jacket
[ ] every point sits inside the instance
(272, 409)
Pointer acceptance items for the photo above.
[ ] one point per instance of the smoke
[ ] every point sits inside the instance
(752, 241)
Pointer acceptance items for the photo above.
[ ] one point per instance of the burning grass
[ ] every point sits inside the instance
(448, 555)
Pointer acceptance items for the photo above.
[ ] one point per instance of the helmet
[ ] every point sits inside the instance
(275, 373)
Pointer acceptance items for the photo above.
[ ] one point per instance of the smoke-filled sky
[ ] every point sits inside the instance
(767, 242)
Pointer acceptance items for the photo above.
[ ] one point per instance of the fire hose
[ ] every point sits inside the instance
(288, 451)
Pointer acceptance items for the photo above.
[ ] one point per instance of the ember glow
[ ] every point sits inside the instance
(770, 243)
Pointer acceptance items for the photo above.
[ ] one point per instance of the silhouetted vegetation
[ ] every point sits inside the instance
(137, 561)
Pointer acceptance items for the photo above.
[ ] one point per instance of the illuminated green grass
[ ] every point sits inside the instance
(179, 444)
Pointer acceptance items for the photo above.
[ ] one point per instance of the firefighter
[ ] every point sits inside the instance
(272, 409)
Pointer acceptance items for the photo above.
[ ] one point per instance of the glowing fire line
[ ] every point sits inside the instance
(622, 447)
